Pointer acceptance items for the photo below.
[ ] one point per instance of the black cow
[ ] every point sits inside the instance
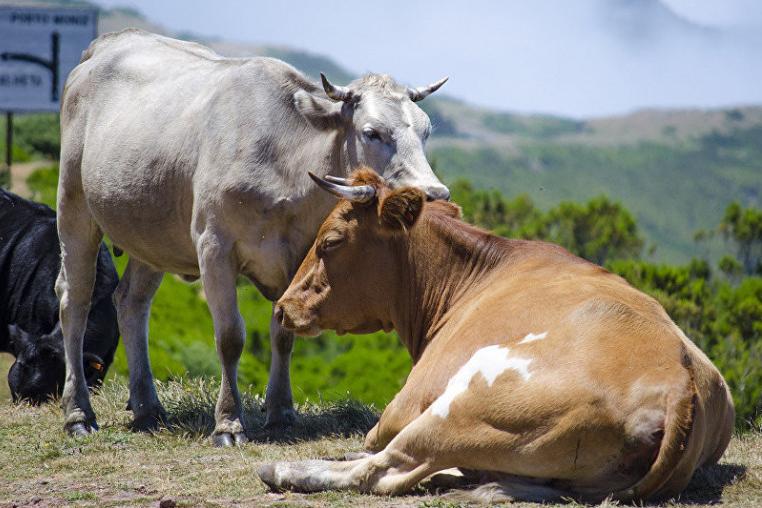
(29, 328)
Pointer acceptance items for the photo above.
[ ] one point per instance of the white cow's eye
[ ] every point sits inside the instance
(371, 134)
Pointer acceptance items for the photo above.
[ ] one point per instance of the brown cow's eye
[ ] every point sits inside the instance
(331, 242)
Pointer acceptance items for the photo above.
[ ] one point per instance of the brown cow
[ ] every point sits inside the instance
(534, 370)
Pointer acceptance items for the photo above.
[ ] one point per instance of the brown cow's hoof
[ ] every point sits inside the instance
(81, 429)
(150, 422)
(357, 455)
(225, 439)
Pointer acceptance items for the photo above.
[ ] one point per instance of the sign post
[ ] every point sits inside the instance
(38, 49)
(8, 142)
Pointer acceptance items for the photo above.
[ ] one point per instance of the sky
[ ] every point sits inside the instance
(577, 58)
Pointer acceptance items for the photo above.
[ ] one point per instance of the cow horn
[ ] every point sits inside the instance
(337, 179)
(337, 93)
(356, 193)
(420, 93)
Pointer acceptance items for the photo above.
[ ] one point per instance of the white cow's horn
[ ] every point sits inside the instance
(337, 93)
(338, 179)
(356, 193)
(420, 93)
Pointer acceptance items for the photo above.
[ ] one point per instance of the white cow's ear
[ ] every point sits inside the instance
(322, 113)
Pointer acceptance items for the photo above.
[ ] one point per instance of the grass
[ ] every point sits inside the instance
(116, 467)
(6, 361)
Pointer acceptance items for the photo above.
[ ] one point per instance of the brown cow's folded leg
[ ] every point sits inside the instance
(395, 470)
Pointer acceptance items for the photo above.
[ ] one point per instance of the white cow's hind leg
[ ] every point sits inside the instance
(218, 274)
(279, 402)
(80, 240)
(133, 299)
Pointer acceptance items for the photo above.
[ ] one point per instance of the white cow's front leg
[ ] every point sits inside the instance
(279, 402)
(218, 274)
(387, 473)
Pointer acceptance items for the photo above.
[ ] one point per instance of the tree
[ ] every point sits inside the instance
(599, 230)
(743, 228)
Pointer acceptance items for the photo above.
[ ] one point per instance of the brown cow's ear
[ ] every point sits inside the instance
(400, 208)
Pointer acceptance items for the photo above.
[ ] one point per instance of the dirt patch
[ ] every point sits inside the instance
(20, 171)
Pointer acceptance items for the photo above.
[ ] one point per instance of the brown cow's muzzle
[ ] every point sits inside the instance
(288, 314)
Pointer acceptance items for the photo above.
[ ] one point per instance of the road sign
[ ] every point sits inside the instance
(38, 49)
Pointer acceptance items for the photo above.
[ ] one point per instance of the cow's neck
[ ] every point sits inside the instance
(445, 260)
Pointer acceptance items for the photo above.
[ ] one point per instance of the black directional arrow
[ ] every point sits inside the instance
(51, 65)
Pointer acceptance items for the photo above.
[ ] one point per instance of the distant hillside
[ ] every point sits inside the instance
(676, 170)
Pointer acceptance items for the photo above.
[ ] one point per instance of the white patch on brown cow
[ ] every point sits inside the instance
(490, 361)
(531, 337)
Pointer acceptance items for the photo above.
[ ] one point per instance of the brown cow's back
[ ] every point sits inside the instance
(609, 355)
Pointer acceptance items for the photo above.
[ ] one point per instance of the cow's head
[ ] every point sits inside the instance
(383, 128)
(350, 278)
(39, 370)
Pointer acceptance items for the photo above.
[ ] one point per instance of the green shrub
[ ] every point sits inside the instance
(34, 136)
(43, 184)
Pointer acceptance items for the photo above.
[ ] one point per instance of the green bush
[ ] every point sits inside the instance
(44, 183)
(598, 230)
(34, 136)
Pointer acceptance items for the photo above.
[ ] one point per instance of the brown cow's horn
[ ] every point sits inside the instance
(356, 193)
(337, 93)
(420, 93)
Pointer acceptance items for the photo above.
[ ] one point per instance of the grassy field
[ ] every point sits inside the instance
(42, 467)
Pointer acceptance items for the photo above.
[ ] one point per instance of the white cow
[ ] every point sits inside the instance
(197, 165)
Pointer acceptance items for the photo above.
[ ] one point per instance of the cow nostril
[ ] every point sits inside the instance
(278, 314)
(442, 193)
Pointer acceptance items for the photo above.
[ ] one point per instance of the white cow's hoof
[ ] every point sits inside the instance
(279, 420)
(225, 439)
(81, 429)
(150, 421)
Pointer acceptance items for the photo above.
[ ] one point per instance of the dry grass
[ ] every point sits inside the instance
(6, 361)
(42, 467)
